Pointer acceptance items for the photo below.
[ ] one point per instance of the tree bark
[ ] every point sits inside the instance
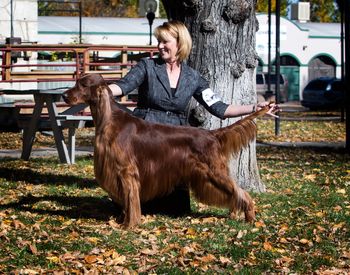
(223, 34)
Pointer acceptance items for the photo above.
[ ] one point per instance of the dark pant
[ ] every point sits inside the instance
(175, 204)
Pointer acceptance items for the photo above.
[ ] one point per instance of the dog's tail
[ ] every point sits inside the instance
(238, 135)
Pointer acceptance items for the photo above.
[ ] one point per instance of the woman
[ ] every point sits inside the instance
(166, 86)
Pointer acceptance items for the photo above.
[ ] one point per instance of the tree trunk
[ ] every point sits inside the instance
(223, 34)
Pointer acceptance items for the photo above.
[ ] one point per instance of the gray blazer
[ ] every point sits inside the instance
(154, 92)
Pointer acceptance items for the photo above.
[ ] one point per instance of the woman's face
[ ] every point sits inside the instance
(168, 49)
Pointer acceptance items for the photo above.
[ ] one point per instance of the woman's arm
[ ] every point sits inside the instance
(239, 110)
(212, 102)
(131, 81)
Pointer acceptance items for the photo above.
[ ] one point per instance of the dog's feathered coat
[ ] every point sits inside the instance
(136, 161)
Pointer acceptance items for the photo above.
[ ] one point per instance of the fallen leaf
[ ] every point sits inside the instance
(320, 214)
(93, 240)
(209, 220)
(337, 226)
(346, 255)
(283, 229)
(208, 258)
(225, 260)
(53, 259)
(306, 242)
(241, 233)
(259, 224)
(113, 224)
(288, 191)
(311, 177)
(17, 224)
(318, 239)
(283, 240)
(185, 250)
(190, 231)
(90, 259)
(118, 259)
(341, 191)
(267, 246)
(33, 249)
(147, 251)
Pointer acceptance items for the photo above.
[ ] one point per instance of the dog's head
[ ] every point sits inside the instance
(85, 89)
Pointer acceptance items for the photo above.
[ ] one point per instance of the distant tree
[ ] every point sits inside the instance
(93, 8)
(262, 6)
(324, 11)
(127, 8)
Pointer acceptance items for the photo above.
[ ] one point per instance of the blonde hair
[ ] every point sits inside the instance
(179, 31)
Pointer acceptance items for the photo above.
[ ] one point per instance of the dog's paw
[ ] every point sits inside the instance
(250, 216)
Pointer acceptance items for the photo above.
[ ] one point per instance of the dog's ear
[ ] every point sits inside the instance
(84, 80)
(91, 80)
(102, 91)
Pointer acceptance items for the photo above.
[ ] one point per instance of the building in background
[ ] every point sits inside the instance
(96, 30)
(307, 51)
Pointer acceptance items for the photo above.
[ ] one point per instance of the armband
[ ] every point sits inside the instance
(209, 97)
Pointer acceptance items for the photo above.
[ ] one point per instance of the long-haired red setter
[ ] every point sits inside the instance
(136, 161)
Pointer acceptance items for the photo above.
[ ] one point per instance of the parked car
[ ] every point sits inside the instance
(262, 87)
(323, 93)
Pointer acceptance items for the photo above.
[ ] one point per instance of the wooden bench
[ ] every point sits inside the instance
(50, 113)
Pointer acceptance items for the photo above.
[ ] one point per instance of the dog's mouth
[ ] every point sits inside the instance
(68, 99)
(65, 97)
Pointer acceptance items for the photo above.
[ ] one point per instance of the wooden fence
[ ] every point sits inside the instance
(24, 63)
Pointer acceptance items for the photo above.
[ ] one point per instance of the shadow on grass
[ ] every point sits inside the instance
(67, 206)
(74, 207)
(33, 177)
(98, 208)
(267, 151)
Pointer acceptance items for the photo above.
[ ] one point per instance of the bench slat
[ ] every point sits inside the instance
(73, 117)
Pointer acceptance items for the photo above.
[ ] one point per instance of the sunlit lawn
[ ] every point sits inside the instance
(54, 218)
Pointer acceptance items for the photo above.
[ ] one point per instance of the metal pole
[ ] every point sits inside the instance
(347, 73)
(80, 23)
(342, 115)
(150, 34)
(269, 49)
(150, 17)
(277, 63)
(11, 14)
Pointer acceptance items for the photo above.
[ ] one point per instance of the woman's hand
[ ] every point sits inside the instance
(273, 108)
(116, 91)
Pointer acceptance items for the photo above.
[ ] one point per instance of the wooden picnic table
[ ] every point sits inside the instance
(48, 98)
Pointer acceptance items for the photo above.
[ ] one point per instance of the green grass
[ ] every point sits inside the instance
(302, 222)
(54, 217)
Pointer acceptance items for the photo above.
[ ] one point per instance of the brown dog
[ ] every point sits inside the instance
(136, 161)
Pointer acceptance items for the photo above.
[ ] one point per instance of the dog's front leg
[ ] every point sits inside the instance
(132, 205)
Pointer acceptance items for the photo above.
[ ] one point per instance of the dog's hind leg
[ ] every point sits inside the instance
(215, 187)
